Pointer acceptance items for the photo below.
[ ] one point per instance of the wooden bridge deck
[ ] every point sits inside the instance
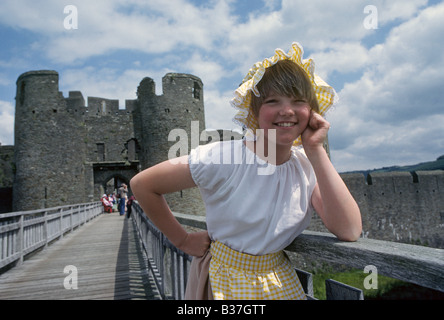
(108, 259)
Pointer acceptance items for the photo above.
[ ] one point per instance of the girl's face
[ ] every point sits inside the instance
(289, 116)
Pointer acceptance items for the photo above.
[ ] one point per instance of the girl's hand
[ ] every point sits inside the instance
(316, 132)
(195, 244)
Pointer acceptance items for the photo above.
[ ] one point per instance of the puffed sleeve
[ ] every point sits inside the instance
(205, 165)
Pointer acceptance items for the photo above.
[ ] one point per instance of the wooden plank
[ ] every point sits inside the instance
(339, 291)
(107, 255)
(9, 227)
(306, 280)
(416, 264)
(9, 259)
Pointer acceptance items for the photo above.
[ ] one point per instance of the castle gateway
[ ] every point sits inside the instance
(68, 151)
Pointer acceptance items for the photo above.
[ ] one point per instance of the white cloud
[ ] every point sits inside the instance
(403, 81)
(38, 17)
(210, 72)
(332, 30)
(103, 26)
(394, 112)
(397, 10)
(218, 111)
(343, 57)
(6, 123)
(379, 145)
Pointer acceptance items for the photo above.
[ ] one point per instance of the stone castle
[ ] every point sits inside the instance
(68, 150)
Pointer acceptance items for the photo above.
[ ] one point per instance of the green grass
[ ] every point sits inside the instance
(387, 288)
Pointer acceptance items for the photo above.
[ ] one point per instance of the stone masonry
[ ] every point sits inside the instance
(67, 151)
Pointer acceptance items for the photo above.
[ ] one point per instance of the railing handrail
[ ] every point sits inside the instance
(31, 212)
(158, 249)
(24, 232)
(412, 263)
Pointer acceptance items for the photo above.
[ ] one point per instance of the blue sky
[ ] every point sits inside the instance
(389, 80)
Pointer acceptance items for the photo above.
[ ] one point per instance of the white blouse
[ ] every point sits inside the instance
(252, 206)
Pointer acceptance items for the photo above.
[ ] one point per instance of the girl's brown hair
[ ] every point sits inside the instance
(288, 79)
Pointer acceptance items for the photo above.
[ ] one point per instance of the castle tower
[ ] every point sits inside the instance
(181, 106)
(49, 153)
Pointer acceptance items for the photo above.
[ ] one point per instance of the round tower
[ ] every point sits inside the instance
(157, 119)
(180, 106)
(48, 155)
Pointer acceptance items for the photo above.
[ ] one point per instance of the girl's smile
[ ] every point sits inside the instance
(287, 115)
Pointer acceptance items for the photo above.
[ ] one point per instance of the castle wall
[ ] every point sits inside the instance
(7, 169)
(399, 206)
(6, 166)
(107, 132)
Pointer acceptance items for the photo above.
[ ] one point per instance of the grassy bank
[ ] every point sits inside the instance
(387, 288)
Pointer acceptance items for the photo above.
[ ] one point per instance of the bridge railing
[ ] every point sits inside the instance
(22, 233)
(168, 264)
(411, 263)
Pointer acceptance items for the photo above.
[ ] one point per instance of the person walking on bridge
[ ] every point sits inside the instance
(123, 192)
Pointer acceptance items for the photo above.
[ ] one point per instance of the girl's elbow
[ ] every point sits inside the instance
(352, 234)
(143, 184)
(135, 183)
(355, 228)
(350, 237)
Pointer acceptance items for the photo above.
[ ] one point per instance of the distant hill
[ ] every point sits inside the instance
(438, 164)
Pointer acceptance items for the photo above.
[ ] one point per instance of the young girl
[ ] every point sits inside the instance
(253, 215)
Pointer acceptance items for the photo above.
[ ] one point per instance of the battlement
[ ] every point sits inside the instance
(398, 180)
(186, 88)
(174, 86)
(96, 106)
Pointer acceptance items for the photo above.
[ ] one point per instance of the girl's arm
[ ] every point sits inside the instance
(331, 198)
(149, 186)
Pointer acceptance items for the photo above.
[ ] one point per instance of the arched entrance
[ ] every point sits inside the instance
(108, 177)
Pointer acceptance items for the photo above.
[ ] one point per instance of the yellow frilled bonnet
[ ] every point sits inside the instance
(325, 94)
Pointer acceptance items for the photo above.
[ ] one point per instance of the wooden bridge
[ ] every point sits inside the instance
(97, 258)
(78, 252)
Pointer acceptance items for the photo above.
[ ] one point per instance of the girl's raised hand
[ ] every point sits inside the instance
(316, 132)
